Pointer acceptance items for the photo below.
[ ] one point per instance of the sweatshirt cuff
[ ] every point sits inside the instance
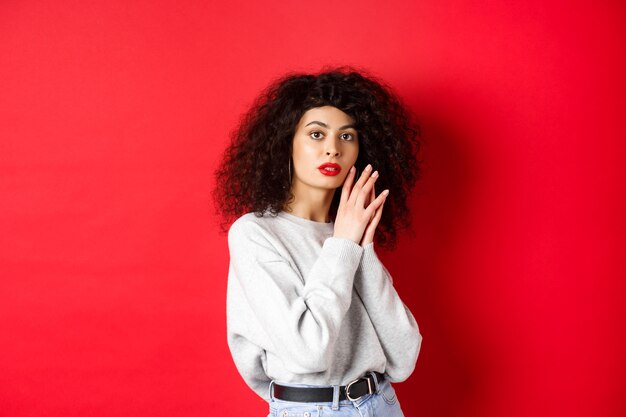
(341, 261)
(344, 250)
(369, 260)
(371, 264)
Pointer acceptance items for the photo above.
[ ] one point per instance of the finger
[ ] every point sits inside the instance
(366, 190)
(359, 184)
(379, 212)
(347, 186)
(370, 231)
(371, 209)
(372, 196)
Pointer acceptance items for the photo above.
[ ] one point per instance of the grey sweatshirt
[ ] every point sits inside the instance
(305, 307)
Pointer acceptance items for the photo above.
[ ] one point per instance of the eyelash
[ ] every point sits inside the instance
(317, 131)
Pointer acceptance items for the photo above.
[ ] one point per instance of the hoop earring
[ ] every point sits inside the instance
(289, 171)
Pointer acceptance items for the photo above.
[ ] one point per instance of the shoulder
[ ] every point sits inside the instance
(250, 222)
(251, 228)
(255, 236)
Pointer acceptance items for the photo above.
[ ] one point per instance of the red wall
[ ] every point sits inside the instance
(113, 274)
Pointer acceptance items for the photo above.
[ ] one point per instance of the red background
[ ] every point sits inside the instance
(113, 115)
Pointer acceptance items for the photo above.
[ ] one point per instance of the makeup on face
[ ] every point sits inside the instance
(327, 141)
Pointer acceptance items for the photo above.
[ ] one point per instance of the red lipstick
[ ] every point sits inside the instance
(330, 169)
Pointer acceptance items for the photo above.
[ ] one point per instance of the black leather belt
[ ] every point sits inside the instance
(352, 391)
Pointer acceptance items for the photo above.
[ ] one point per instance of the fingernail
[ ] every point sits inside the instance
(375, 174)
(352, 169)
(385, 192)
(368, 167)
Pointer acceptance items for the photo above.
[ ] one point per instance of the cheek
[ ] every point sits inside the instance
(354, 152)
(304, 153)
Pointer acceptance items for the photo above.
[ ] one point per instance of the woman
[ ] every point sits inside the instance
(315, 326)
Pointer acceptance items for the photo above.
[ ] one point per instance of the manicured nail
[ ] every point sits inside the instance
(385, 192)
(352, 169)
(374, 174)
(368, 167)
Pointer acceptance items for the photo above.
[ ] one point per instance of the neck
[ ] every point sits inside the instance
(310, 203)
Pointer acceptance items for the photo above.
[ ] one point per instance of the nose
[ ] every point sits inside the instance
(332, 148)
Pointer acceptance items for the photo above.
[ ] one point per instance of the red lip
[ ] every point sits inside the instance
(336, 171)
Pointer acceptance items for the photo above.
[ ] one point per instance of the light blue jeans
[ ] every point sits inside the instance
(382, 403)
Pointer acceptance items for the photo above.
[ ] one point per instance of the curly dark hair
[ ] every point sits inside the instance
(248, 178)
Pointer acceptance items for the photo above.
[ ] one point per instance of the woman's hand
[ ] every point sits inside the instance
(357, 208)
(368, 236)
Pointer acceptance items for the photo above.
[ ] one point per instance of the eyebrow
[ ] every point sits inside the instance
(326, 126)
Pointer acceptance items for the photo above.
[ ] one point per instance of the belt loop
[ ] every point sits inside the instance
(270, 390)
(375, 381)
(335, 406)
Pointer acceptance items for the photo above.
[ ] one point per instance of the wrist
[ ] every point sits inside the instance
(357, 241)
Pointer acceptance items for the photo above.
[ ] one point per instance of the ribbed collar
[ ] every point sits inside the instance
(309, 224)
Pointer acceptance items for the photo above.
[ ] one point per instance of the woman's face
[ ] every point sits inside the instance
(324, 135)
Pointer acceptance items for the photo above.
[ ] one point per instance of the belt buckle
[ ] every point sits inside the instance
(369, 388)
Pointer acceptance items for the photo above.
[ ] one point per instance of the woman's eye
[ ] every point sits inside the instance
(316, 135)
(347, 136)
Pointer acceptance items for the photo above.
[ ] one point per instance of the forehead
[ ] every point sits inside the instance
(327, 114)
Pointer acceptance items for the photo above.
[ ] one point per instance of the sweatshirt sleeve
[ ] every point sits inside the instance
(300, 319)
(395, 326)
